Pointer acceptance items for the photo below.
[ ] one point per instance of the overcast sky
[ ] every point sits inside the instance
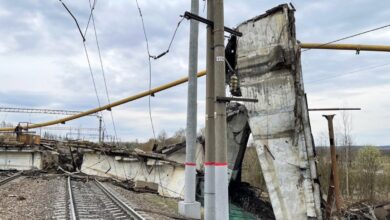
(43, 64)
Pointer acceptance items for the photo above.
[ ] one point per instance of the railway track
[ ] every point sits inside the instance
(15, 176)
(94, 200)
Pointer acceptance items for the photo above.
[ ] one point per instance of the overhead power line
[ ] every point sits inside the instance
(353, 35)
(155, 57)
(150, 68)
(86, 51)
(170, 43)
(68, 129)
(74, 18)
(91, 72)
(87, 56)
(150, 73)
(351, 72)
(92, 7)
(90, 68)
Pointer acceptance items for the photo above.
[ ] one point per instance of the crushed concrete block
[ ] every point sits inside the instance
(145, 186)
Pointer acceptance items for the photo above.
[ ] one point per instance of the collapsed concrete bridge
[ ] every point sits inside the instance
(269, 68)
(267, 61)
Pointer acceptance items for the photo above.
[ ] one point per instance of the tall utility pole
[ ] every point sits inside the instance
(209, 187)
(221, 171)
(190, 208)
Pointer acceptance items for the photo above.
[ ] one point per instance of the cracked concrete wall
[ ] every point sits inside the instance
(170, 178)
(238, 132)
(268, 65)
(20, 160)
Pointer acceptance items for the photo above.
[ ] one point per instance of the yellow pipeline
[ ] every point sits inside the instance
(114, 104)
(357, 47)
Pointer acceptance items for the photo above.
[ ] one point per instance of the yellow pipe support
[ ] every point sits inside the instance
(356, 47)
(114, 104)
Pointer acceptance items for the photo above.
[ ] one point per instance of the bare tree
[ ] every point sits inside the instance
(346, 118)
(4, 124)
(179, 135)
(322, 139)
(162, 137)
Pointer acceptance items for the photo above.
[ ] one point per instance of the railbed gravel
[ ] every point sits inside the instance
(149, 201)
(6, 174)
(35, 197)
(29, 197)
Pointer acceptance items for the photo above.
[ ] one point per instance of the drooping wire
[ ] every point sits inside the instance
(155, 57)
(150, 76)
(91, 73)
(101, 63)
(86, 52)
(75, 20)
(90, 70)
(149, 99)
(170, 43)
(351, 36)
(150, 67)
(146, 38)
(92, 7)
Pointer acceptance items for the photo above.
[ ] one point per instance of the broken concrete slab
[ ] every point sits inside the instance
(20, 158)
(144, 186)
(268, 65)
(238, 132)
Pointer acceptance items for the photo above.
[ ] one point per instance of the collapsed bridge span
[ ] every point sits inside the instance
(269, 69)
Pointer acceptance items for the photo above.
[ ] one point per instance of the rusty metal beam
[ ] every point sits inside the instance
(356, 47)
(109, 106)
(330, 196)
(334, 173)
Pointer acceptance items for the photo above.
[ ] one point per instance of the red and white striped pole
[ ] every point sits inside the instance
(221, 169)
(190, 208)
(209, 185)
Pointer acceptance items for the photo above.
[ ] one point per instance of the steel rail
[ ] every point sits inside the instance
(16, 175)
(109, 106)
(130, 211)
(356, 47)
(72, 206)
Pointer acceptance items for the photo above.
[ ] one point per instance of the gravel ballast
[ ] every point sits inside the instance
(159, 207)
(40, 197)
(29, 197)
